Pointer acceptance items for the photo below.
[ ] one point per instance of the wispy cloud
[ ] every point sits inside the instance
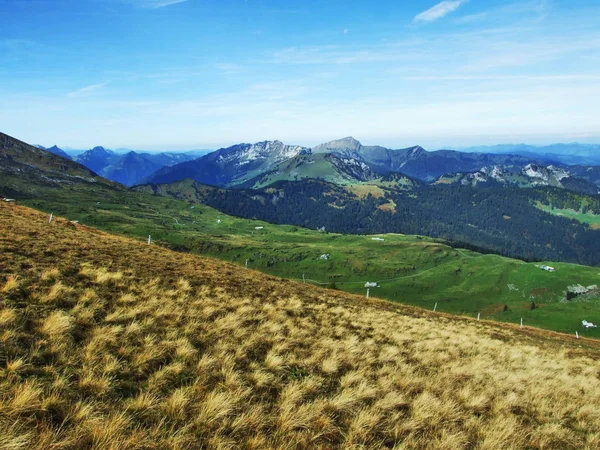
(154, 4)
(86, 91)
(471, 18)
(340, 55)
(533, 11)
(438, 11)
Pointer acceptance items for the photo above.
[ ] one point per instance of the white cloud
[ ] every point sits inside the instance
(88, 90)
(438, 11)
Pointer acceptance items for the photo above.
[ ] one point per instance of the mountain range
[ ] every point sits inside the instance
(347, 161)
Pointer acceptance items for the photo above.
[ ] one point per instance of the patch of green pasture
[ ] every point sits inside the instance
(583, 217)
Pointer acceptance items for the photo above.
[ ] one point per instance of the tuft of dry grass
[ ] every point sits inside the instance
(120, 345)
(57, 325)
(12, 283)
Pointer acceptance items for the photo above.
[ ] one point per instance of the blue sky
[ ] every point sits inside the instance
(169, 74)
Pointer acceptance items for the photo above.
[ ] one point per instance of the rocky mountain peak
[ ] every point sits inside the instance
(347, 144)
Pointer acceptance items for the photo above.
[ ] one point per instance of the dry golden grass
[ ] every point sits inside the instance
(106, 343)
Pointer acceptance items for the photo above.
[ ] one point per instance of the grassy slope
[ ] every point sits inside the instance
(108, 343)
(459, 281)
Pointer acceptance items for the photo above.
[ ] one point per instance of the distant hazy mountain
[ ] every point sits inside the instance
(128, 168)
(96, 159)
(57, 151)
(192, 153)
(588, 173)
(232, 165)
(573, 153)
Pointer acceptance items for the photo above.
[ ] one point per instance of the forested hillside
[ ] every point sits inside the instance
(498, 219)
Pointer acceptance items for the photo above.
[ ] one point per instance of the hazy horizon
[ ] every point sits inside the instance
(121, 149)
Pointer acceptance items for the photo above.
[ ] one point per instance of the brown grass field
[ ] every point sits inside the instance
(108, 343)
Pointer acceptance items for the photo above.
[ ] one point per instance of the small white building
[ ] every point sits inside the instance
(377, 239)
(548, 268)
(368, 284)
(324, 256)
(259, 228)
(9, 200)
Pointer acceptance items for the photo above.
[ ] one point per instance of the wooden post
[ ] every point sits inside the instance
(51, 216)
(435, 307)
(367, 292)
(577, 334)
(246, 264)
(521, 323)
(303, 279)
(149, 239)
(478, 316)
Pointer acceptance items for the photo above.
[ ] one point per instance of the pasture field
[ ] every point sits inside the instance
(591, 219)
